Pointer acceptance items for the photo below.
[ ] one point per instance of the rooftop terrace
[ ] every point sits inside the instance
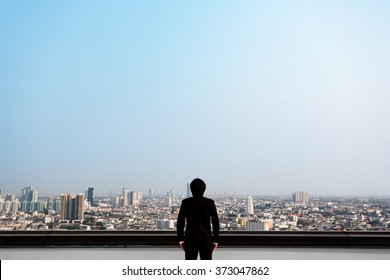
(118, 245)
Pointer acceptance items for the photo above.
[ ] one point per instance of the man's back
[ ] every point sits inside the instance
(198, 211)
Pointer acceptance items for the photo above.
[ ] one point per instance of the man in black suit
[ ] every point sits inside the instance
(195, 213)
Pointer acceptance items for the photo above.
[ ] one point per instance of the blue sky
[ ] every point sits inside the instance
(253, 96)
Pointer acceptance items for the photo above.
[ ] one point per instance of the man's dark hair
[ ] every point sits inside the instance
(198, 187)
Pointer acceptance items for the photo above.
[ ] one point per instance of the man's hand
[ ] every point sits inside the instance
(182, 245)
(215, 245)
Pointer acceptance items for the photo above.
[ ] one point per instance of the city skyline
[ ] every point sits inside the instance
(73, 212)
(183, 193)
(253, 97)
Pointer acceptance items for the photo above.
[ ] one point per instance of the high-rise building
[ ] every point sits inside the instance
(135, 198)
(9, 203)
(170, 194)
(116, 200)
(29, 194)
(26, 206)
(53, 205)
(249, 205)
(10, 197)
(300, 197)
(29, 200)
(72, 207)
(125, 193)
(90, 195)
(7, 206)
(167, 201)
(151, 194)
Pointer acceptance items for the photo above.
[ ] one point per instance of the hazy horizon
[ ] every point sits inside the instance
(161, 192)
(255, 96)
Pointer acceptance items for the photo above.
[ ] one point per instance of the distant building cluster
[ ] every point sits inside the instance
(127, 198)
(28, 202)
(300, 197)
(130, 211)
(9, 203)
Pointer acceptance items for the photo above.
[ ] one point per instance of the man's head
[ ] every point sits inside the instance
(198, 186)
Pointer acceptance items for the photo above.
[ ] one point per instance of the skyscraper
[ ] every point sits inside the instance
(249, 205)
(135, 198)
(170, 194)
(90, 195)
(72, 207)
(29, 199)
(151, 195)
(53, 205)
(167, 201)
(29, 194)
(125, 193)
(300, 197)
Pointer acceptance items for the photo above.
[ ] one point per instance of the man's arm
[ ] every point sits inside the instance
(180, 224)
(215, 223)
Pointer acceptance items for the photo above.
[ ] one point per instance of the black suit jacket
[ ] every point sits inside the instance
(199, 212)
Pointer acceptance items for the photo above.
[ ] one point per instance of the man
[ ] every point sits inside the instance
(195, 213)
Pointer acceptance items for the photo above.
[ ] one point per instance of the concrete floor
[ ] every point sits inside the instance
(169, 253)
